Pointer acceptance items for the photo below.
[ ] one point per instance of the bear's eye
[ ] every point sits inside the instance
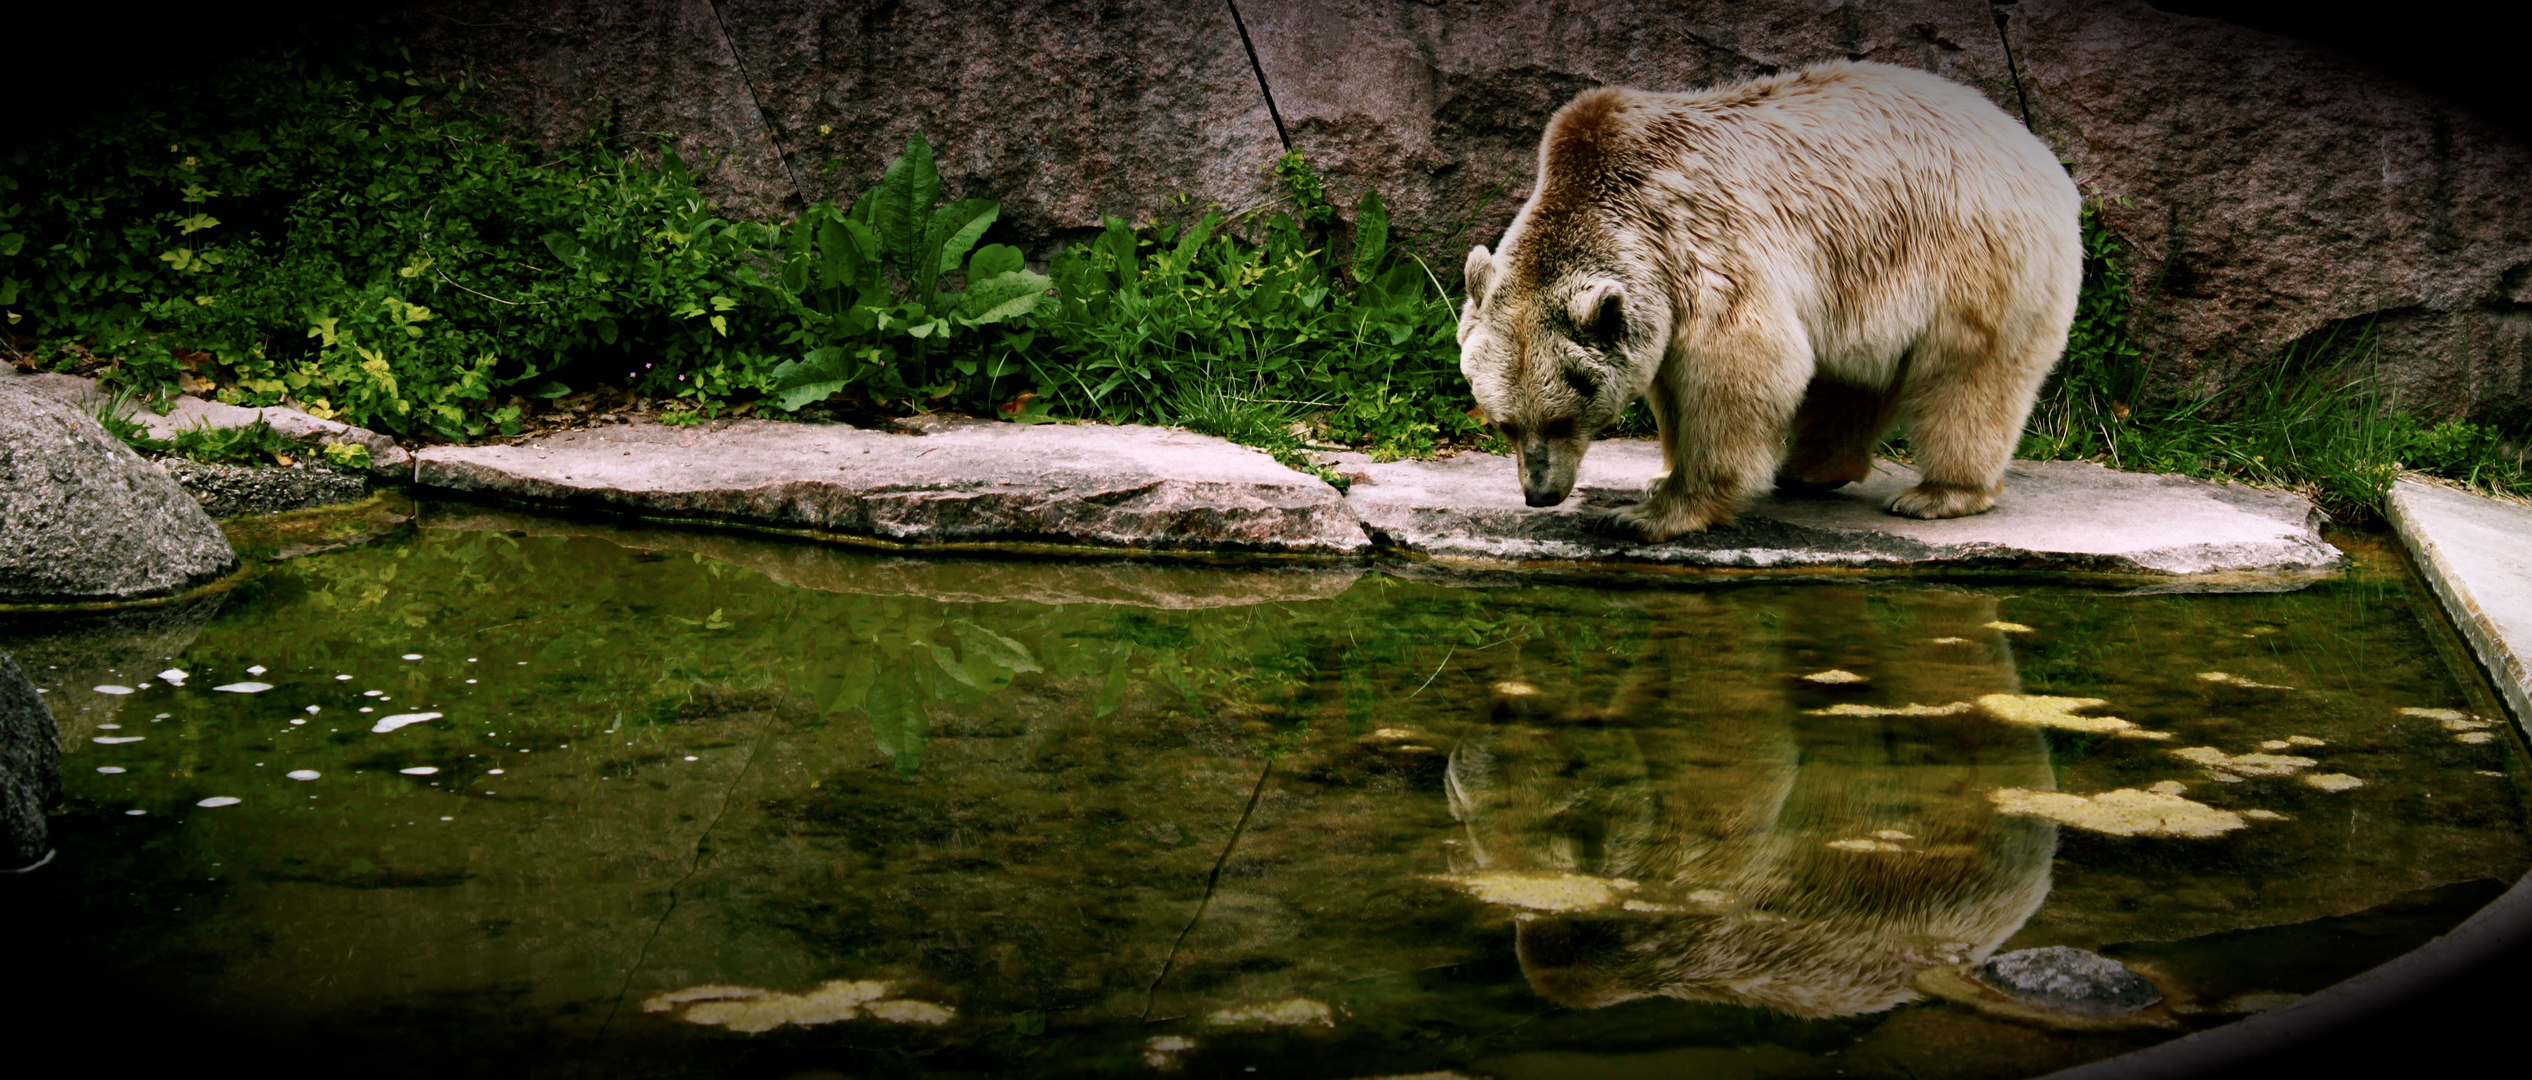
(1581, 384)
(1511, 432)
(1559, 428)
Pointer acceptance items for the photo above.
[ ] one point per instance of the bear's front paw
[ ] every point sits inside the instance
(1655, 520)
(1931, 500)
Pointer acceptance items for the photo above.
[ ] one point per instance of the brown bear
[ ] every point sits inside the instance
(1816, 255)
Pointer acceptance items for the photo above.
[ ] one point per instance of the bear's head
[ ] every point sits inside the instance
(1553, 359)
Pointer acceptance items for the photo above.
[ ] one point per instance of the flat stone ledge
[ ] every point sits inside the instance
(2476, 553)
(965, 481)
(186, 412)
(2054, 516)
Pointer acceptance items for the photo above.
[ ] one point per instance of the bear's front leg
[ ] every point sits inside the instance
(1722, 425)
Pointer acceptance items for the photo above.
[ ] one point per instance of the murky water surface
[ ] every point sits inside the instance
(520, 795)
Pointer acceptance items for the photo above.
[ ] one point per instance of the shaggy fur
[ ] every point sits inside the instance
(1700, 781)
(1818, 254)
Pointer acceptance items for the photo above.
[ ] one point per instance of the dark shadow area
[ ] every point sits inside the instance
(2472, 58)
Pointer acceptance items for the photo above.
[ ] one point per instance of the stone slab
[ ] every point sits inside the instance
(2055, 515)
(186, 412)
(964, 482)
(2476, 552)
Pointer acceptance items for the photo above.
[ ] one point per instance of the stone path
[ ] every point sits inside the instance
(2476, 553)
(963, 482)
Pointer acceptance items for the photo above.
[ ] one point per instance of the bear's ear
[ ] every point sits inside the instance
(1599, 313)
(1479, 272)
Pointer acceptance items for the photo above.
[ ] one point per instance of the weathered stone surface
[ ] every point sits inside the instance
(83, 518)
(227, 491)
(2069, 980)
(1126, 487)
(1062, 111)
(187, 412)
(2054, 515)
(2271, 192)
(2472, 551)
(30, 769)
(958, 581)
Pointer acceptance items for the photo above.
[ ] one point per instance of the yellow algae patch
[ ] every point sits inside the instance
(2263, 815)
(1515, 689)
(1835, 677)
(2008, 627)
(1709, 896)
(2231, 767)
(2167, 787)
(2468, 723)
(2475, 738)
(1158, 1052)
(1948, 641)
(1855, 709)
(2223, 678)
(1892, 834)
(2333, 781)
(2436, 714)
(2123, 812)
(1883, 846)
(1290, 1012)
(2290, 742)
(752, 1010)
(1545, 891)
(2039, 710)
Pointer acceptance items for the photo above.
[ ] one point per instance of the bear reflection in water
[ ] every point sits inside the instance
(1697, 832)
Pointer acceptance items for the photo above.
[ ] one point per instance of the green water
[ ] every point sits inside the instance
(1119, 819)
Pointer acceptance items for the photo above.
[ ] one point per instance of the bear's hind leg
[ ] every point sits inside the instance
(1834, 433)
(1965, 402)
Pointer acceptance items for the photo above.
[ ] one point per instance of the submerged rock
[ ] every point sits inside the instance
(83, 518)
(2069, 980)
(30, 769)
(227, 491)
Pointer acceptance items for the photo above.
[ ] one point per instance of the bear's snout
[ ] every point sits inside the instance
(1542, 496)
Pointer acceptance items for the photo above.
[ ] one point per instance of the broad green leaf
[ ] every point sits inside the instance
(900, 719)
(1003, 296)
(812, 378)
(567, 248)
(838, 256)
(982, 644)
(955, 228)
(901, 205)
(1112, 690)
(993, 259)
(1371, 236)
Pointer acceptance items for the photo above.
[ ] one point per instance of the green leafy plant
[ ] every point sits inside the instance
(866, 286)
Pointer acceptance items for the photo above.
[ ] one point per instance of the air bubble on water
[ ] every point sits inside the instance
(119, 727)
(445, 817)
(109, 770)
(257, 669)
(313, 709)
(413, 656)
(112, 689)
(162, 716)
(303, 774)
(373, 693)
(691, 757)
(295, 721)
(420, 770)
(116, 740)
(342, 678)
(492, 772)
(470, 682)
(243, 687)
(135, 813)
(386, 724)
(174, 676)
(220, 800)
(366, 708)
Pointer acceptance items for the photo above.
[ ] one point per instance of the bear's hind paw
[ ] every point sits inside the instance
(1931, 501)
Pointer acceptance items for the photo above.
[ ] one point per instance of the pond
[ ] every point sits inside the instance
(529, 795)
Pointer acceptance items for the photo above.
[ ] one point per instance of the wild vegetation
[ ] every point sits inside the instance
(327, 232)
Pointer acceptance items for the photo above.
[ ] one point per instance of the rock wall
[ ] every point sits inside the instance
(2270, 192)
